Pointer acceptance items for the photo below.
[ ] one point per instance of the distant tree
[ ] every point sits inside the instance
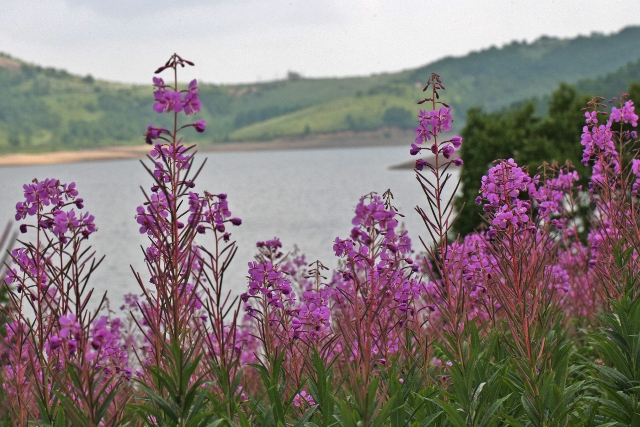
(293, 76)
(634, 92)
(14, 140)
(398, 117)
(356, 124)
(41, 87)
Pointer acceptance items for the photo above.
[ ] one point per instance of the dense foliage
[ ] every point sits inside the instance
(530, 139)
(520, 134)
(523, 324)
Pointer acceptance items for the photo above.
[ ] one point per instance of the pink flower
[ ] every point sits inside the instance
(456, 141)
(200, 126)
(447, 151)
(167, 101)
(191, 102)
(626, 114)
(303, 397)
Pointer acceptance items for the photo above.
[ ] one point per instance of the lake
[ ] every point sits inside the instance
(304, 197)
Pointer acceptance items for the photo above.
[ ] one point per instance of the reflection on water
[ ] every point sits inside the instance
(305, 197)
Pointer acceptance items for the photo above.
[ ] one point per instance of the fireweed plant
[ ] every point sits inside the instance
(521, 323)
(62, 360)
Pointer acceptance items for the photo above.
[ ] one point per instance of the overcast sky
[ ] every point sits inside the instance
(259, 40)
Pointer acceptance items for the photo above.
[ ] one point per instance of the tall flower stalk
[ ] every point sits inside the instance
(185, 313)
(615, 236)
(66, 360)
(449, 297)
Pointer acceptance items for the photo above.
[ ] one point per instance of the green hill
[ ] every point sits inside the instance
(43, 109)
(611, 84)
(495, 78)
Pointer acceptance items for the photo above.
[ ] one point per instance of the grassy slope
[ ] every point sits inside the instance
(492, 78)
(47, 109)
(345, 113)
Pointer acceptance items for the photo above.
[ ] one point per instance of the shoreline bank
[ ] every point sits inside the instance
(340, 140)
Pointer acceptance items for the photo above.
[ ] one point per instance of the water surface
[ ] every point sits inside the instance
(305, 197)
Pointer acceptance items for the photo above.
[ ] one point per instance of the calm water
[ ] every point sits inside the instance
(305, 197)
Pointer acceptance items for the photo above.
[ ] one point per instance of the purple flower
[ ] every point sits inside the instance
(30, 192)
(432, 123)
(167, 101)
(303, 397)
(625, 115)
(343, 247)
(54, 343)
(501, 188)
(596, 138)
(87, 225)
(458, 162)
(447, 151)
(63, 221)
(374, 213)
(456, 141)
(161, 102)
(422, 134)
(269, 280)
(420, 164)
(100, 335)
(273, 244)
(48, 190)
(24, 209)
(414, 149)
(549, 197)
(635, 168)
(12, 275)
(69, 191)
(153, 134)
(200, 126)
(69, 325)
(191, 102)
(591, 117)
(72, 346)
(159, 83)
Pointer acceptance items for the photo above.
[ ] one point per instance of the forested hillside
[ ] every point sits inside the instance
(43, 109)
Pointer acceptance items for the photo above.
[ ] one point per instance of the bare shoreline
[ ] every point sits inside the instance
(339, 140)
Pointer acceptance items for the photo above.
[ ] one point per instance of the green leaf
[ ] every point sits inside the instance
(489, 414)
(431, 418)
(346, 414)
(305, 417)
(453, 414)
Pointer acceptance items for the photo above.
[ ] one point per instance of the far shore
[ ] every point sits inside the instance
(337, 140)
